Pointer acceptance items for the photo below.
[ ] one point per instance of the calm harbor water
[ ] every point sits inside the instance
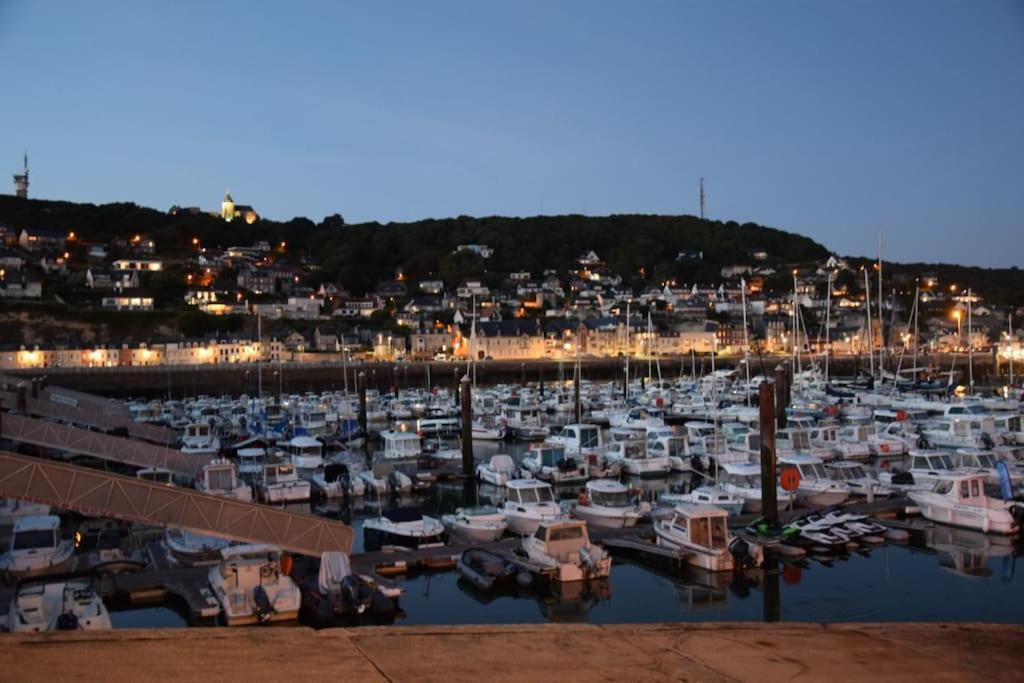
(942, 574)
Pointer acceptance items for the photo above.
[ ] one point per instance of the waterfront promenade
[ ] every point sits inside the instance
(550, 652)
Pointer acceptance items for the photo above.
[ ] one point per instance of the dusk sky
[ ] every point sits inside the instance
(831, 119)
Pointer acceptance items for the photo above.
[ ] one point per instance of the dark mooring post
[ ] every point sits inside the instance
(540, 373)
(455, 375)
(769, 504)
(362, 403)
(625, 380)
(781, 398)
(467, 426)
(578, 405)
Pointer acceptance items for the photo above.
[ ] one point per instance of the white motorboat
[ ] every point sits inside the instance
(199, 439)
(306, 455)
(402, 527)
(525, 422)
(743, 480)
(250, 464)
(708, 494)
(70, 605)
(644, 418)
(860, 481)
(497, 471)
(663, 442)
(489, 429)
(528, 503)
(607, 503)
(549, 462)
(37, 548)
(960, 500)
(927, 467)
(220, 478)
(700, 533)
(578, 438)
(336, 481)
(281, 484)
(634, 458)
(817, 488)
(12, 509)
(251, 587)
(476, 524)
(189, 549)
(565, 548)
(984, 462)
(400, 447)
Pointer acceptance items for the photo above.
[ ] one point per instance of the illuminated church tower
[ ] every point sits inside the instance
(21, 181)
(227, 208)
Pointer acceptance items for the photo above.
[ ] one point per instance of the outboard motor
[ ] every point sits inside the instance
(68, 621)
(986, 439)
(588, 559)
(263, 607)
(923, 443)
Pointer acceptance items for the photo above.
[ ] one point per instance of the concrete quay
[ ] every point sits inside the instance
(549, 652)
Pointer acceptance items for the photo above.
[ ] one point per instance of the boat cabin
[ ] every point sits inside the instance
(563, 541)
(608, 493)
(577, 437)
(704, 525)
(401, 445)
(809, 466)
(36, 533)
(548, 455)
(278, 473)
(527, 491)
(964, 489)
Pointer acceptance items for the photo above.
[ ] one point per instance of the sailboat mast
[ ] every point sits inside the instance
(867, 308)
(913, 317)
(970, 345)
(259, 358)
(746, 338)
(1012, 350)
(881, 324)
(828, 321)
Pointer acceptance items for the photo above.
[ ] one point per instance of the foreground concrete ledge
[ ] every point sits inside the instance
(622, 652)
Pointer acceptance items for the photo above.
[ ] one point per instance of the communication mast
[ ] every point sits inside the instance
(21, 181)
(702, 199)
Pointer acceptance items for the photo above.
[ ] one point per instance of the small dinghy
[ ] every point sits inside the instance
(486, 570)
(476, 525)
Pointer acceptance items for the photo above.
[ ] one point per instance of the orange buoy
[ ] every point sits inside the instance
(286, 564)
(583, 499)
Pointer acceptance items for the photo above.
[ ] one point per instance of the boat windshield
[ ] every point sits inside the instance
(552, 457)
(940, 462)
(709, 532)
(813, 471)
(751, 481)
(536, 495)
(38, 538)
(847, 473)
(985, 459)
(589, 437)
(611, 499)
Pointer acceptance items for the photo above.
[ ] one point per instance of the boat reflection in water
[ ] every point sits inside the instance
(972, 554)
(559, 603)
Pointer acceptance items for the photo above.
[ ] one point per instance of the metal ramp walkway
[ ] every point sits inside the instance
(80, 399)
(98, 445)
(95, 493)
(88, 417)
